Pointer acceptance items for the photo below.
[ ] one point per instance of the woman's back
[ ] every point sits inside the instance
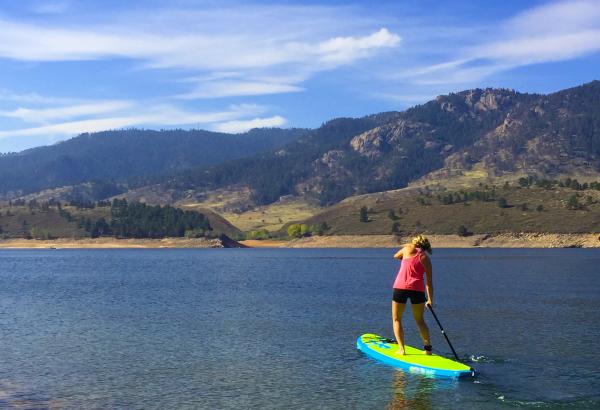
(411, 273)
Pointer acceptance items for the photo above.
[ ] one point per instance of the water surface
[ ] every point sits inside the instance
(276, 329)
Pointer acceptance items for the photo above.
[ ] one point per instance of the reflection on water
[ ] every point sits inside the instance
(407, 395)
(415, 391)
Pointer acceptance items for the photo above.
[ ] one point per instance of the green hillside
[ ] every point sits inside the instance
(43, 220)
(479, 210)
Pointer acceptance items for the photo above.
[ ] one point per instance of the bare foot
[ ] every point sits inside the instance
(400, 351)
(428, 352)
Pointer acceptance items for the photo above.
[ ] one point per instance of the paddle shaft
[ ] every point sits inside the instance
(443, 332)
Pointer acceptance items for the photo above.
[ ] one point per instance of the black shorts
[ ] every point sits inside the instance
(416, 297)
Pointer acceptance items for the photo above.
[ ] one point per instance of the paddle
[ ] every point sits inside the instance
(442, 329)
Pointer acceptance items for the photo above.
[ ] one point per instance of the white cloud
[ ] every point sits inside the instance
(341, 50)
(197, 49)
(216, 89)
(557, 17)
(253, 41)
(544, 48)
(32, 98)
(138, 115)
(553, 32)
(243, 126)
(43, 115)
(73, 127)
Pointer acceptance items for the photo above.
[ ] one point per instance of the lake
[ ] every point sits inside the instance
(277, 328)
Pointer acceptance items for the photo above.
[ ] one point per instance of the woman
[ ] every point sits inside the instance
(410, 284)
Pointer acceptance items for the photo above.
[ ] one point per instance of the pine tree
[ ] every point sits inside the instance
(364, 214)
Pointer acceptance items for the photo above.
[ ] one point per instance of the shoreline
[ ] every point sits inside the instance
(110, 243)
(504, 240)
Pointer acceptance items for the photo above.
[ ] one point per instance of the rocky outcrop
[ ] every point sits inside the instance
(547, 137)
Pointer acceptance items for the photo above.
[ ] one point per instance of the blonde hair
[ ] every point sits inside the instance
(421, 241)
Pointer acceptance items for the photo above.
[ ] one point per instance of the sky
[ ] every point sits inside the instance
(69, 67)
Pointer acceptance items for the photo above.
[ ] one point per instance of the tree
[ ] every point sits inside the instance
(138, 220)
(523, 182)
(364, 214)
(540, 208)
(502, 203)
(294, 231)
(39, 233)
(318, 229)
(463, 231)
(573, 203)
(260, 234)
(396, 228)
(392, 215)
(100, 228)
(304, 231)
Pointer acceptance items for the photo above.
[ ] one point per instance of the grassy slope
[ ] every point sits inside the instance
(230, 204)
(59, 227)
(478, 217)
(56, 225)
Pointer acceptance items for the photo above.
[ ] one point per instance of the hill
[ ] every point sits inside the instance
(105, 163)
(50, 220)
(545, 206)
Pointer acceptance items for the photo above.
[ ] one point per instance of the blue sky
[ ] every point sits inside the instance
(68, 67)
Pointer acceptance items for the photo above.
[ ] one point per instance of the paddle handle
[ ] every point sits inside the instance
(443, 331)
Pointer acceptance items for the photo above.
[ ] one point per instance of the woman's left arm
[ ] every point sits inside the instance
(429, 278)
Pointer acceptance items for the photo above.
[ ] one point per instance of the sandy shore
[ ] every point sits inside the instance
(266, 243)
(508, 240)
(110, 243)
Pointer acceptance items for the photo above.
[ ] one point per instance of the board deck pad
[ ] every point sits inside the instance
(414, 361)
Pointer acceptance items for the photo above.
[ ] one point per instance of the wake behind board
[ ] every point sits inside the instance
(414, 361)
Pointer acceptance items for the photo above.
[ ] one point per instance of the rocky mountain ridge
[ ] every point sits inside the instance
(498, 132)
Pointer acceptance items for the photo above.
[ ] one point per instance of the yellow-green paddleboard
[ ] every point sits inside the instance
(414, 361)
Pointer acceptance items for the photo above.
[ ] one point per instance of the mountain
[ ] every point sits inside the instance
(499, 132)
(490, 132)
(133, 156)
(557, 134)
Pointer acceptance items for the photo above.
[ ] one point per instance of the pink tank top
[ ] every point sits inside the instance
(410, 275)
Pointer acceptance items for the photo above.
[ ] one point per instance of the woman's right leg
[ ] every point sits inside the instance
(418, 311)
(397, 312)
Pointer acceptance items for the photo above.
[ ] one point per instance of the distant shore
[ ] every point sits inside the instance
(505, 240)
(110, 243)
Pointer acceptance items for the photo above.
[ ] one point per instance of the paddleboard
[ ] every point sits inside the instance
(414, 361)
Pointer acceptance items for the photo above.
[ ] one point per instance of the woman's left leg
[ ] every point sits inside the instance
(397, 312)
(418, 310)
